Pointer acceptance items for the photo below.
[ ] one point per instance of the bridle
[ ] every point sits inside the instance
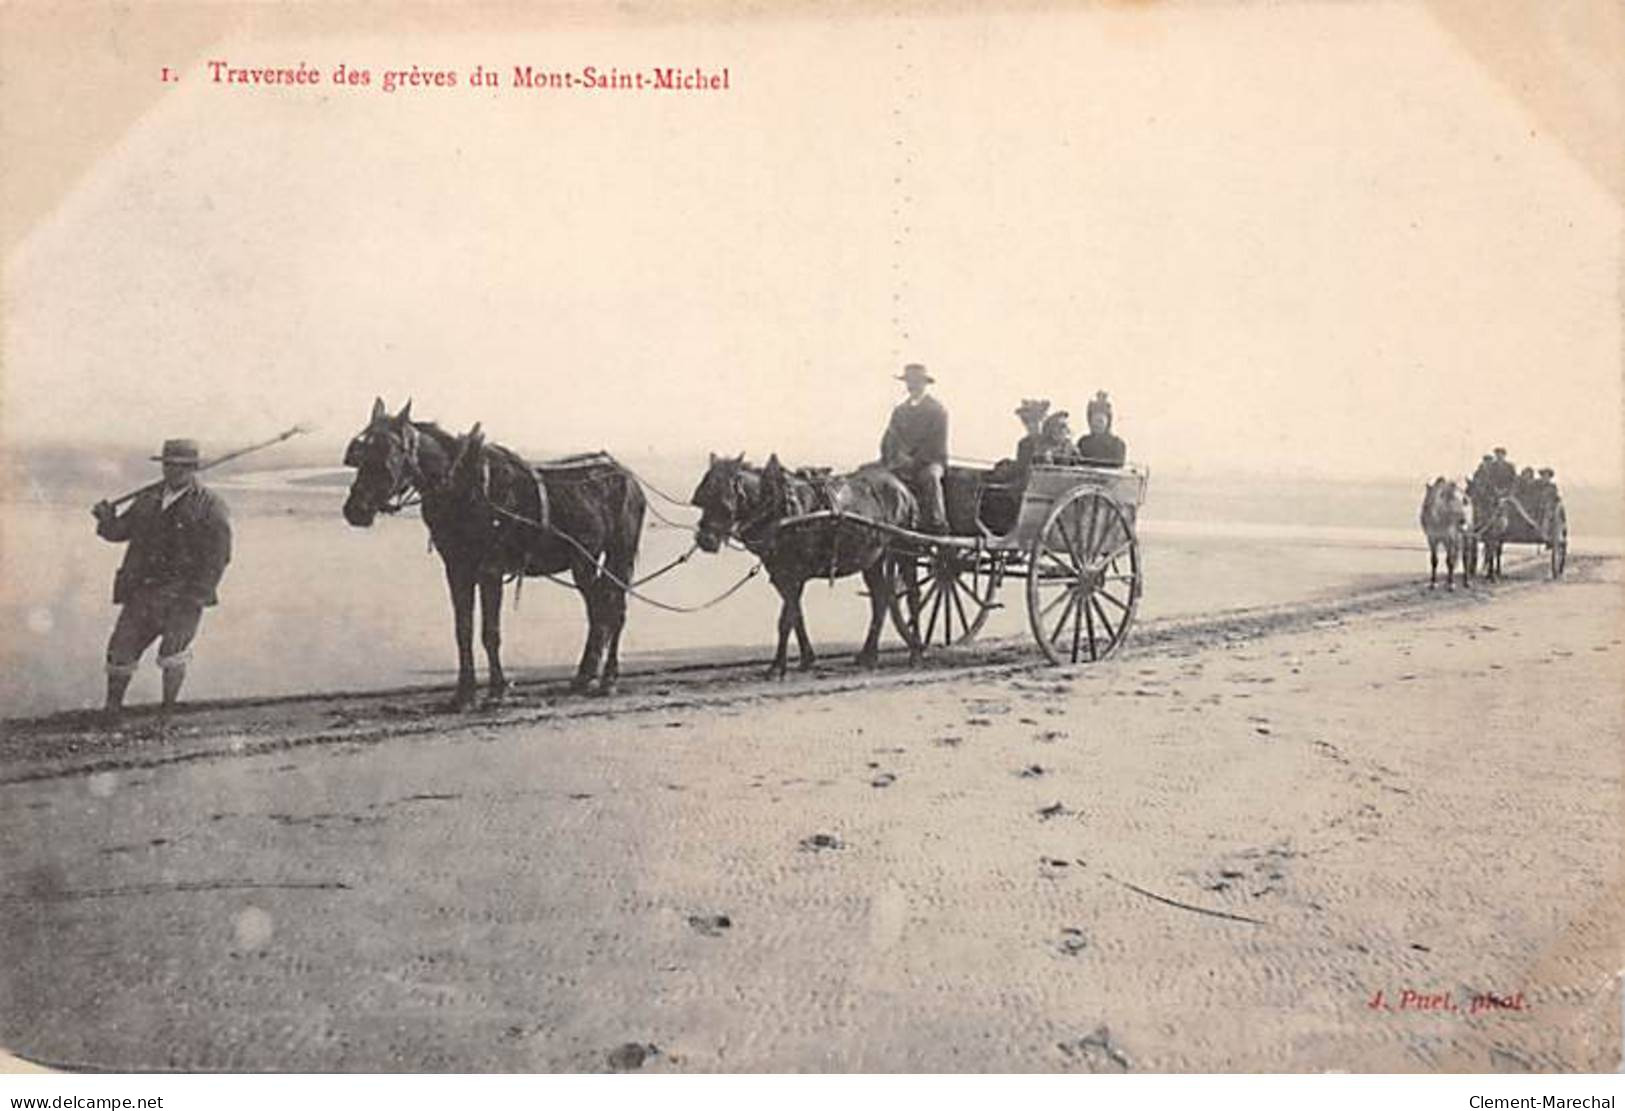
(407, 482)
(750, 530)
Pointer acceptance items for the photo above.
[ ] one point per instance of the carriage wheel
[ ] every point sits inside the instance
(943, 596)
(1083, 579)
(1558, 539)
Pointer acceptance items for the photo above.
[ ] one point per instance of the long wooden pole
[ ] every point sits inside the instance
(296, 430)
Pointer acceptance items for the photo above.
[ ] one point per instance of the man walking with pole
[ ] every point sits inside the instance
(179, 534)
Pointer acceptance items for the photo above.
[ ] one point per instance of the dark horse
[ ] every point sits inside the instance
(751, 505)
(492, 516)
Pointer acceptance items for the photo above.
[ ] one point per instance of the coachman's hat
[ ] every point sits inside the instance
(915, 372)
(178, 451)
(1099, 404)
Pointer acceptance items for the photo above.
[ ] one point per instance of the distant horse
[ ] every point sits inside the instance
(1444, 521)
(750, 504)
(492, 516)
(1492, 519)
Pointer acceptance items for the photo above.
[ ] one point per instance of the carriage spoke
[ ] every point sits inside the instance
(1111, 633)
(1059, 573)
(1090, 618)
(1115, 554)
(936, 605)
(1113, 599)
(1072, 598)
(1076, 629)
(1091, 542)
(964, 625)
(949, 591)
(1055, 601)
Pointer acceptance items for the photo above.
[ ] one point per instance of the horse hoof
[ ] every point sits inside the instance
(580, 686)
(606, 688)
(807, 664)
(868, 662)
(775, 672)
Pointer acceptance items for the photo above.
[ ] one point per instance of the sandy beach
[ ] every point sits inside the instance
(1373, 832)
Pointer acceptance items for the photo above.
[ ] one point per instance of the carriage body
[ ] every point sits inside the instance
(1547, 526)
(1068, 531)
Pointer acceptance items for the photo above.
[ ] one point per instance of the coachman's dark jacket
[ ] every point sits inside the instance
(185, 547)
(918, 430)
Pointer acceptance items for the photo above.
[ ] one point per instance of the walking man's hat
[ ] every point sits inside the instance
(178, 451)
(915, 372)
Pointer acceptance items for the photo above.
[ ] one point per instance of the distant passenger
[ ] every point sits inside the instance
(1545, 493)
(1055, 445)
(1031, 413)
(1503, 473)
(1100, 448)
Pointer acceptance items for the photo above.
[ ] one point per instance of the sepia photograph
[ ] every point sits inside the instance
(729, 538)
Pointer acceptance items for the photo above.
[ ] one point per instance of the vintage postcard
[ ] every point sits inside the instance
(732, 538)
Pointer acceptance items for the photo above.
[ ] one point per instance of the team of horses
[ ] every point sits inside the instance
(494, 517)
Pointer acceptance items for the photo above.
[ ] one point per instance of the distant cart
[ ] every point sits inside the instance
(1068, 531)
(1509, 521)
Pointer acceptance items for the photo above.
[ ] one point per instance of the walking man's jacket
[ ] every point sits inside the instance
(184, 548)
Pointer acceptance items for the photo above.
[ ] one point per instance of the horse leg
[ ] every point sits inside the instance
(789, 606)
(612, 607)
(491, 635)
(588, 583)
(877, 579)
(807, 657)
(461, 582)
(1450, 566)
(1433, 563)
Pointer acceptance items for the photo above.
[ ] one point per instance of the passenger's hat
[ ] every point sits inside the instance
(1500, 451)
(1032, 406)
(915, 372)
(183, 452)
(1546, 472)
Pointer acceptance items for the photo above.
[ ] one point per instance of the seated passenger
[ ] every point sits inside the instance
(1100, 448)
(1031, 413)
(1055, 441)
(1545, 494)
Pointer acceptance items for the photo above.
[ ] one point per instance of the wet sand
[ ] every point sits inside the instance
(1208, 854)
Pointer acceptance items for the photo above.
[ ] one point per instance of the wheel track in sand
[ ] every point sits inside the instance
(67, 744)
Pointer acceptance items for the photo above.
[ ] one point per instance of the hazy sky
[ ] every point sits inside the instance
(1313, 238)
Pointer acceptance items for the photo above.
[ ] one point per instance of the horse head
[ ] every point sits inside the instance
(469, 471)
(384, 455)
(724, 497)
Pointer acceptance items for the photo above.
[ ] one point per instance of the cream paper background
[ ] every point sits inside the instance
(1362, 239)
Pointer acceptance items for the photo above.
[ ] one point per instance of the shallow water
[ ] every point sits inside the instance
(311, 604)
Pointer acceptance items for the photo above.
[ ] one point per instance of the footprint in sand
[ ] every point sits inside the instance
(1054, 810)
(632, 1055)
(820, 841)
(1097, 1052)
(950, 742)
(1050, 736)
(711, 925)
(884, 779)
(1073, 941)
(1031, 771)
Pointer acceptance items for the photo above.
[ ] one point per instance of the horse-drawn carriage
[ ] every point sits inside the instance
(1508, 520)
(1068, 531)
